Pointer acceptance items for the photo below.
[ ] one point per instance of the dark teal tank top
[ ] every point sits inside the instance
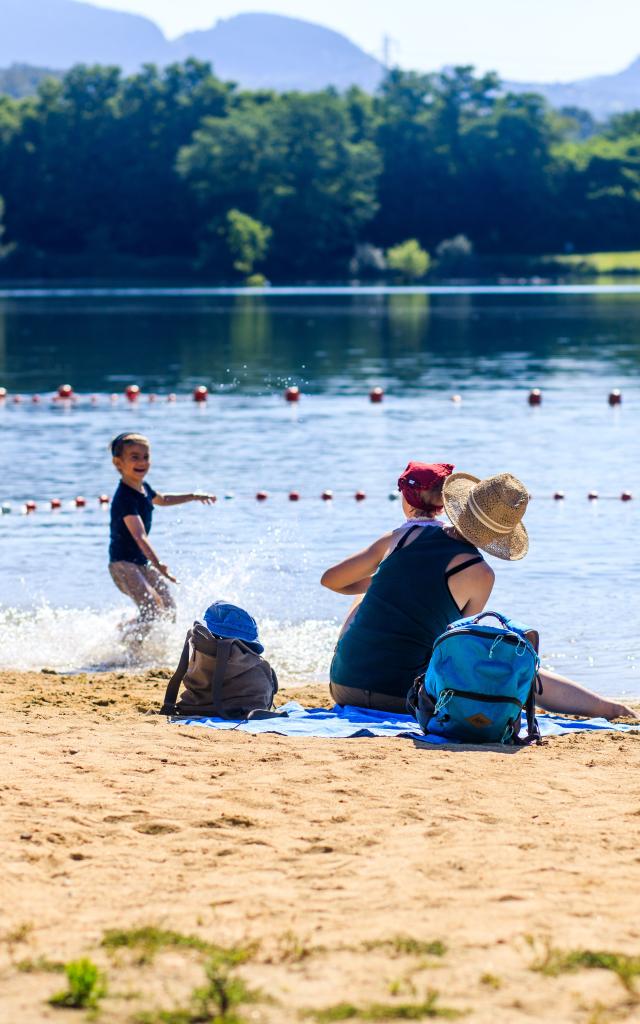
(408, 604)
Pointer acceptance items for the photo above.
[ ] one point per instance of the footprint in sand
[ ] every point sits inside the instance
(112, 819)
(156, 828)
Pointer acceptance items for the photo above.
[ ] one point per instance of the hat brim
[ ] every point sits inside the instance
(225, 634)
(510, 546)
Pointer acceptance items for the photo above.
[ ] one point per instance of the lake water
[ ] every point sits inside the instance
(578, 585)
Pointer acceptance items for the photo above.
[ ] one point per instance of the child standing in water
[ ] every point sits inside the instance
(135, 568)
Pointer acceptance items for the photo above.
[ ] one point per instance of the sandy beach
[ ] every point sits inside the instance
(358, 879)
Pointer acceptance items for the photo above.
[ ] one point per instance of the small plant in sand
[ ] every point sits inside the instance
(149, 940)
(16, 935)
(427, 1008)
(554, 962)
(405, 945)
(85, 986)
(40, 965)
(490, 980)
(217, 1002)
(291, 949)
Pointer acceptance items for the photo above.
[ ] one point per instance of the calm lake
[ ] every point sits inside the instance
(579, 584)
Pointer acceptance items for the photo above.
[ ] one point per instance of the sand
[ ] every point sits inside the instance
(334, 865)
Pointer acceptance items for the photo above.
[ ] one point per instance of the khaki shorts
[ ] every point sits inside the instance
(144, 585)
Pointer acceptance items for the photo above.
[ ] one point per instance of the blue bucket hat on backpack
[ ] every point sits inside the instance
(230, 621)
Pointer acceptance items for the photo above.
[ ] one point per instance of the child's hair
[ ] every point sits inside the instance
(119, 443)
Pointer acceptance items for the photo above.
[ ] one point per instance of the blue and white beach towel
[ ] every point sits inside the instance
(351, 722)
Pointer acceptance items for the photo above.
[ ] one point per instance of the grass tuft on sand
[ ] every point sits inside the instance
(86, 985)
(428, 1008)
(217, 1002)
(554, 962)
(405, 945)
(148, 941)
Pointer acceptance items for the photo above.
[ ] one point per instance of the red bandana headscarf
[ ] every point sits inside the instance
(423, 476)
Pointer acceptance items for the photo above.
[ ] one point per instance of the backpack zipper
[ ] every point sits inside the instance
(510, 638)
(471, 695)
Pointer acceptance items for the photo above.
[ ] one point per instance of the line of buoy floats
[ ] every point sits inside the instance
(55, 504)
(67, 397)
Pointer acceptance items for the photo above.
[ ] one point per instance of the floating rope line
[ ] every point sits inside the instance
(103, 501)
(65, 397)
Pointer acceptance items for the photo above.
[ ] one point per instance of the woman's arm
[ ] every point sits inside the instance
(165, 500)
(353, 575)
(135, 526)
(472, 588)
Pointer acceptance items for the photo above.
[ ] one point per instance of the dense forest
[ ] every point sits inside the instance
(174, 172)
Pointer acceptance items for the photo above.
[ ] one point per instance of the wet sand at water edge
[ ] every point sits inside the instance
(362, 879)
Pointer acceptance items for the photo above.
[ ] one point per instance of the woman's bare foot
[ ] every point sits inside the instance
(623, 711)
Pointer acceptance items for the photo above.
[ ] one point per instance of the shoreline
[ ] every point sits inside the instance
(364, 872)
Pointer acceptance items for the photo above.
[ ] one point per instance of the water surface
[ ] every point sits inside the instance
(579, 584)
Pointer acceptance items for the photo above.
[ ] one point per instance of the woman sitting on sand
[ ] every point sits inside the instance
(412, 582)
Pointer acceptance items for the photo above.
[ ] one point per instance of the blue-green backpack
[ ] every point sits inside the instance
(479, 680)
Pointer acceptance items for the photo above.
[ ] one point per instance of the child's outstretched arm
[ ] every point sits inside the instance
(135, 526)
(165, 500)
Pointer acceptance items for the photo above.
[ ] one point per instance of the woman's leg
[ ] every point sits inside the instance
(560, 694)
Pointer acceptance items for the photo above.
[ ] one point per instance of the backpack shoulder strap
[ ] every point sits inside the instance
(222, 657)
(169, 704)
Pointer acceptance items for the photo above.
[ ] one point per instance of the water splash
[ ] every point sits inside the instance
(91, 640)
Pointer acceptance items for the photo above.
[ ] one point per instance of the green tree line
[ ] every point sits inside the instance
(174, 171)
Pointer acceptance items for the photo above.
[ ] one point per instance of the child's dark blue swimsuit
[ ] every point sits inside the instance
(129, 502)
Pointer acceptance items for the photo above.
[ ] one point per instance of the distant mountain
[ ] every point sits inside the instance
(255, 50)
(60, 33)
(269, 51)
(23, 80)
(602, 95)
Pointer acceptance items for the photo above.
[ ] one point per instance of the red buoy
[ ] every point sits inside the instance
(535, 396)
(171, 397)
(201, 393)
(327, 495)
(558, 496)
(56, 503)
(294, 496)
(593, 495)
(104, 499)
(80, 501)
(626, 496)
(17, 399)
(3, 394)
(65, 391)
(615, 397)
(36, 399)
(261, 496)
(292, 394)
(132, 391)
(359, 495)
(30, 506)
(376, 395)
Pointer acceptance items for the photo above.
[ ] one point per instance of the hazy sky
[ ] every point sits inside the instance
(522, 39)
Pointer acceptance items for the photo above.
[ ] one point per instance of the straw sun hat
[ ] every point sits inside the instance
(488, 513)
